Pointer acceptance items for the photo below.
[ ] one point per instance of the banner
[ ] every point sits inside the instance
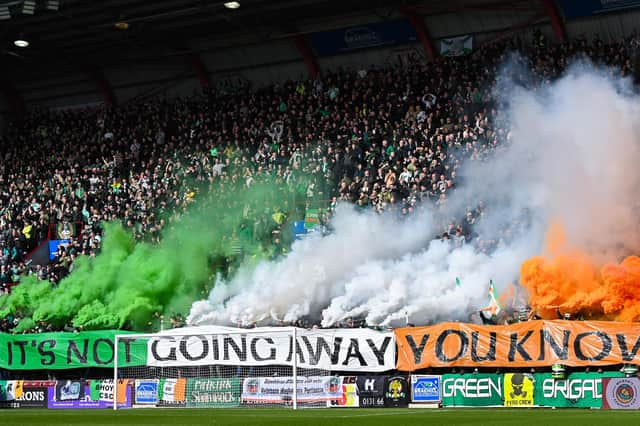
(146, 392)
(269, 390)
(23, 394)
(213, 392)
(396, 391)
(621, 393)
(526, 344)
(576, 9)
(70, 390)
(172, 392)
(102, 390)
(472, 390)
(55, 351)
(66, 230)
(362, 350)
(32, 397)
(350, 397)
(456, 46)
(518, 390)
(371, 391)
(365, 36)
(77, 394)
(53, 247)
(579, 390)
(425, 389)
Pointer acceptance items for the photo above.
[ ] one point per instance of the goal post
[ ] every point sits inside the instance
(229, 367)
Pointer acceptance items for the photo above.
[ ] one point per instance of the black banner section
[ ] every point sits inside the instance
(371, 391)
(31, 397)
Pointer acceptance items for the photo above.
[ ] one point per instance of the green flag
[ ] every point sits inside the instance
(161, 389)
(94, 392)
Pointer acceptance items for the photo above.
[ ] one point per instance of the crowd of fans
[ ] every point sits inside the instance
(381, 137)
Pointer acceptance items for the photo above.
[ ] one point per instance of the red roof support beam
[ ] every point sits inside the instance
(417, 23)
(309, 59)
(103, 85)
(556, 20)
(14, 98)
(200, 70)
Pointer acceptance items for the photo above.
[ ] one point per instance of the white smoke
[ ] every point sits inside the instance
(571, 157)
(422, 287)
(305, 282)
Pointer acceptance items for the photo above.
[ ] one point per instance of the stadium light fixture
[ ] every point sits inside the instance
(4, 13)
(29, 7)
(52, 5)
(232, 5)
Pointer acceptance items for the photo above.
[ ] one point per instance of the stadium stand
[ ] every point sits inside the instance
(381, 137)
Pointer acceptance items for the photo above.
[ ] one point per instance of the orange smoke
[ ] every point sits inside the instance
(568, 280)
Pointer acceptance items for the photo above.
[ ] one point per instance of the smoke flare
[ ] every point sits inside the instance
(568, 280)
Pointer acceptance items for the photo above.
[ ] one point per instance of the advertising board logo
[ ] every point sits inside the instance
(253, 385)
(147, 392)
(70, 391)
(624, 394)
(333, 385)
(395, 390)
(426, 389)
(518, 390)
(369, 385)
(517, 383)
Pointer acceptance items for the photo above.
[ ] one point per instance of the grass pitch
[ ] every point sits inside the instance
(321, 417)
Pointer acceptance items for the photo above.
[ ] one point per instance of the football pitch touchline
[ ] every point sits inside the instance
(297, 414)
(291, 413)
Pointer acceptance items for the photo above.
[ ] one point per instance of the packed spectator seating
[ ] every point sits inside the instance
(383, 136)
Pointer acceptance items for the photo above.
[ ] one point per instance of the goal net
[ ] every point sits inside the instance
(230, 367)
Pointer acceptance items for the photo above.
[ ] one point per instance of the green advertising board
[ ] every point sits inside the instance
(57, 351)
(213, 392)
(579, 390)
(472, 390)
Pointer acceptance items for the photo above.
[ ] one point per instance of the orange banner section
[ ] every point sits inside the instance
(526, 344)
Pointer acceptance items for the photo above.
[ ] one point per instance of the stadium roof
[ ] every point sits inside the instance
(70, 36)
(87, 28)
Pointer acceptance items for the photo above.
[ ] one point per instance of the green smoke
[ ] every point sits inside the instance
(130, 283)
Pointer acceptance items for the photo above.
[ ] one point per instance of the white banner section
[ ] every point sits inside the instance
(331, 349)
